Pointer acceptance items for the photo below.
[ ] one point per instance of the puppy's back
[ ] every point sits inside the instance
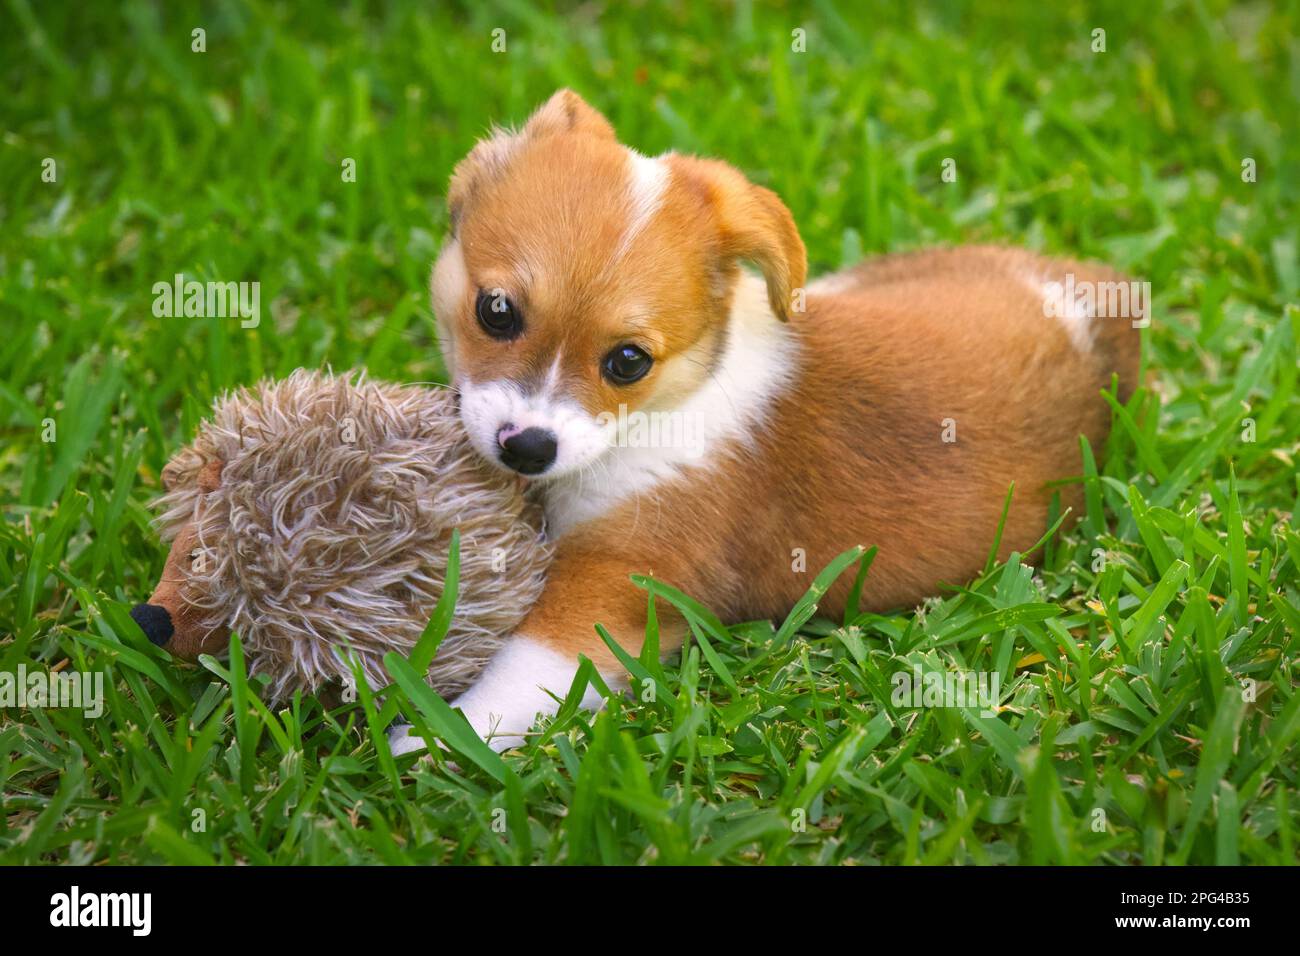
(952, 374)
(1112, 340)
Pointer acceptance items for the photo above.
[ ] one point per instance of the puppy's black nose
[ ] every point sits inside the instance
(529, 452)
(154, 621)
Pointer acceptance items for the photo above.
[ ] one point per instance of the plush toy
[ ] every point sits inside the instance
(316, 512)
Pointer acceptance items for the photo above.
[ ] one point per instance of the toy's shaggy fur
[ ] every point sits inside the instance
(332, 526)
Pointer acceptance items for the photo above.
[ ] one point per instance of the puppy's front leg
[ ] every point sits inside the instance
(588, 583)
(512, 690)
(511, 693)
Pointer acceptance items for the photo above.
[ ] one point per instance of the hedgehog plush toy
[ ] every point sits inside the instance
(315, 513)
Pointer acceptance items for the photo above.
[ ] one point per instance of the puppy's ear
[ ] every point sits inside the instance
(752, 224)
(487, 160)
(567, 112)
(564, 112)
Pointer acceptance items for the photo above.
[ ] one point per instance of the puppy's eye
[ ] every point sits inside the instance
(626, 364)
(499, 316)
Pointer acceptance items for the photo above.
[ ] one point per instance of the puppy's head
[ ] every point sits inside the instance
(581, 277)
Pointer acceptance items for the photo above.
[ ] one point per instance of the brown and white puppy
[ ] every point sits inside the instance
(587, 290)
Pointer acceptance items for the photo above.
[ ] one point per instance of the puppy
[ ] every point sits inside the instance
(588, 292)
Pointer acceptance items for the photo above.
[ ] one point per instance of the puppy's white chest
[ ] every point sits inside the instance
(621, 474)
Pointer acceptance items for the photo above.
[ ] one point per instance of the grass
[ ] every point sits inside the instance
(1148, 665)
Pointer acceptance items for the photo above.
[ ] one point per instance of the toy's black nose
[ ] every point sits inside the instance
(529, 452)
(154, 621)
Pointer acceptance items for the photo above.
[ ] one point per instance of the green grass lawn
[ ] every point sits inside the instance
(1148, 664)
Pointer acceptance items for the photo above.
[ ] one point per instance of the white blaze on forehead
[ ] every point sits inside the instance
(647, 180)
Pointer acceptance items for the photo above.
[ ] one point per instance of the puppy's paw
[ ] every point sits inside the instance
(488, 719)
(520, 683)
(509, 696)
(401, 740)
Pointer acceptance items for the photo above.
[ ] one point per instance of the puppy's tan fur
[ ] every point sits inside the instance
(853, 453)
(847, 447)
